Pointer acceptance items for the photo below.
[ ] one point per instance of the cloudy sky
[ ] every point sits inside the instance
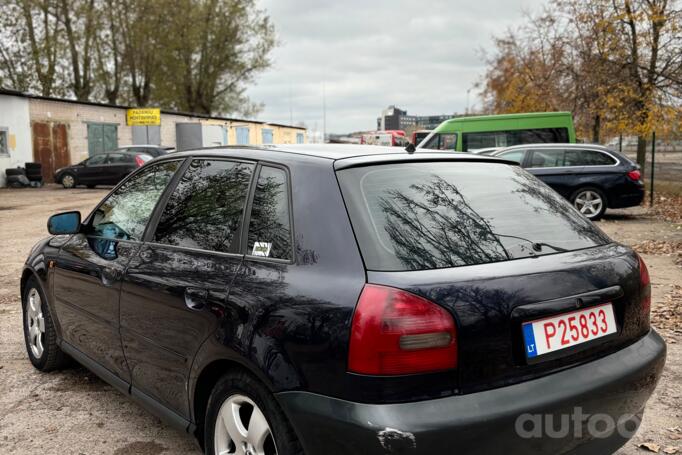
(422, 56)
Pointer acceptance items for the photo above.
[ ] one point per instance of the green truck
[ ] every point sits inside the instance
(468, 134)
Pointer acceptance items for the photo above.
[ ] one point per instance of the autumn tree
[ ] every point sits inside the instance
(614, 64)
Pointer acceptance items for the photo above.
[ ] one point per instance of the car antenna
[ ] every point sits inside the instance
(410, 148)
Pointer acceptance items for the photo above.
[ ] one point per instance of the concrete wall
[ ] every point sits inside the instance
(77, 116)
(14, 116)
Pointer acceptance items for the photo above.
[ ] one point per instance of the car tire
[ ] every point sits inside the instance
(68, 180)
(240, 396)
(14, 171)
(590, 202)
(40, 334)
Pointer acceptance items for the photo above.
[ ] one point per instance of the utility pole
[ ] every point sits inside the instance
(324, 113)
(291, 108)
(466, 112)
(653, 164)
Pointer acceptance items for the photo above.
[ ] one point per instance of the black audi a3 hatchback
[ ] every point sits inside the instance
(349, 299)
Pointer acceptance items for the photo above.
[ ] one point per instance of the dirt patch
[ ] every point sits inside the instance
(141, 448)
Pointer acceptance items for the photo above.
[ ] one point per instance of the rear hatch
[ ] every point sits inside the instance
(499, 250)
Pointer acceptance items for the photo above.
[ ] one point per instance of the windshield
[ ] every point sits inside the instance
(416, 216)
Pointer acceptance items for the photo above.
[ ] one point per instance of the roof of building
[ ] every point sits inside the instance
(11, 92)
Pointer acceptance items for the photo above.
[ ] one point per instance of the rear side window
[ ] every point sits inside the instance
(547, 158)
(205, 209)
(474, 141)
(594, 158)
(416, 216)
(270, 225)
(97, 159)
(120, 158)
(514, 155)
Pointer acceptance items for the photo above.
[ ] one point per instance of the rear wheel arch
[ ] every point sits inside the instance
(205, 382)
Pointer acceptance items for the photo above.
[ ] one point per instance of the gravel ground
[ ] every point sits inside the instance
(73, 412)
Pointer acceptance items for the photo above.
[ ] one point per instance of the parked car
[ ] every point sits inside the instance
(340, 299)
(592, 177)
(153, 150)
(101, 169)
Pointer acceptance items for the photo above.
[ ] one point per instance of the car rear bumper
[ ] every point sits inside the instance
(630, 199)
(510, 420)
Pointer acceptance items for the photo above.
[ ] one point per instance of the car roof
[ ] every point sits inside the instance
(152, 146)
(557, 145)
(341, 155)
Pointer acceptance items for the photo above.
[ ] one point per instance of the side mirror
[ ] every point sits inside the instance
(64, 223)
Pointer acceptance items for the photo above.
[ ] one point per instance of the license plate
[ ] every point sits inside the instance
(569, 329)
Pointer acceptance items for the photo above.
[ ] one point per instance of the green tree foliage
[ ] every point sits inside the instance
(190, 55)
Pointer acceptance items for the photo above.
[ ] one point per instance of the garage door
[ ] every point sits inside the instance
(50, 147)
(102, 137)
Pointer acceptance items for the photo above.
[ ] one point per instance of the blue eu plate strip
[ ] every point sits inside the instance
(529, 338)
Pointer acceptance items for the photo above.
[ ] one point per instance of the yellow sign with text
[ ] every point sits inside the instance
(143, 117)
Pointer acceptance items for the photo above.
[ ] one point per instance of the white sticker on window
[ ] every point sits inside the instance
(261, 249)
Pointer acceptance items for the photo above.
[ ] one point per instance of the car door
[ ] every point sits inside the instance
(175, 291)
(549, 165)
(92, 169)
(119, 165)
(91, 266)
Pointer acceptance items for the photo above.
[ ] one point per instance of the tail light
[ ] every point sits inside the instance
(139, 161)
(635, 175)
(395, 332)
(644, 286)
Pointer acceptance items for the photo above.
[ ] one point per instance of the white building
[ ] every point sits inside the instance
(15, 133)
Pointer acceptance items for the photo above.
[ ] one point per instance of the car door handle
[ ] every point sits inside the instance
(110, 276)
(195, 298)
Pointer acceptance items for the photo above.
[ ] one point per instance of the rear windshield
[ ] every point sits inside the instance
(416, 216)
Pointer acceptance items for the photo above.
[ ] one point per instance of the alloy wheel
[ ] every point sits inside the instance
(589, 203)
(35, 323)
(241, 428)
(68, 181)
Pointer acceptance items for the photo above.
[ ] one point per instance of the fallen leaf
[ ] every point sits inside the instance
(671, 450)
(650, 446)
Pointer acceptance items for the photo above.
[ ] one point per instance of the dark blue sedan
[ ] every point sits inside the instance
(592, 177)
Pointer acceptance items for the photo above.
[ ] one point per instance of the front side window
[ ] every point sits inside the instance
(270, 225)
(124, 215)
(441, 141)
(205, 210)
(418, 216)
